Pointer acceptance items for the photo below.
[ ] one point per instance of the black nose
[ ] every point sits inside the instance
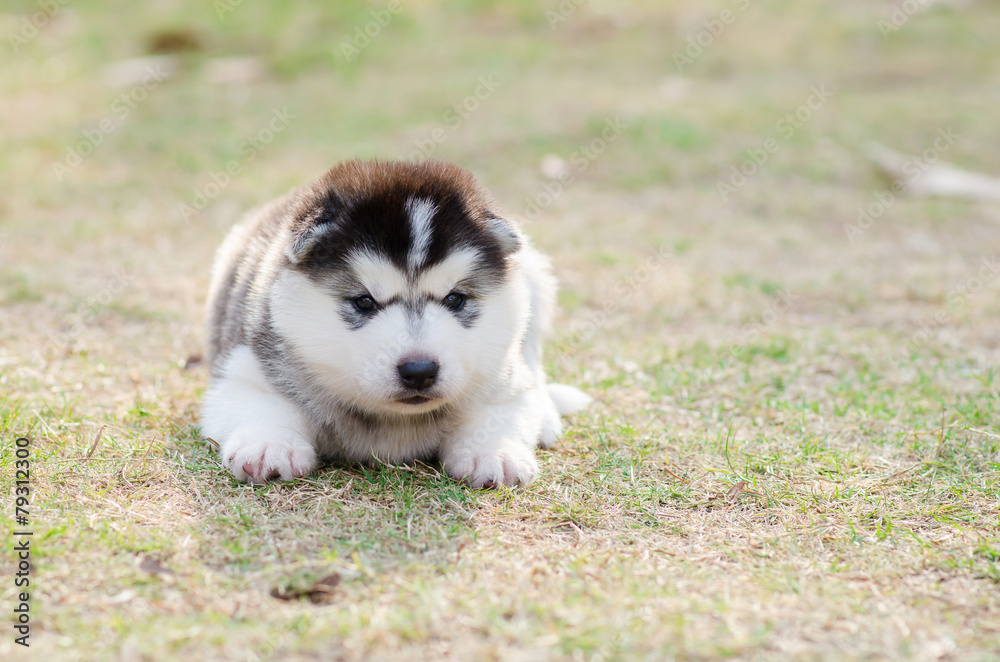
(418, 374)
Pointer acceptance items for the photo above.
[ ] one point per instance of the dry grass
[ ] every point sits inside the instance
(758, 481)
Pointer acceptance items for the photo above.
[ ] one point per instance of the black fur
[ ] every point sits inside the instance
(363, 206)
(357, 205)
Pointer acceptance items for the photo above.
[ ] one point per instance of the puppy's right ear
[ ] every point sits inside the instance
(314, 220)
(303, 242)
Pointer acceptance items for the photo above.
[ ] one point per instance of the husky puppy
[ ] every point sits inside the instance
(387, 312)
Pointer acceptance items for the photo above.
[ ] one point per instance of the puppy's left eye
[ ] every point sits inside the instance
(454, 301)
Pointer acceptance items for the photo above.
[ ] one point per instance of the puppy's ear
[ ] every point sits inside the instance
(304, 241)
(314, 220)
(506, 234)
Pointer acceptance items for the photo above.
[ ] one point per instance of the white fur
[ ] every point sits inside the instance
(568, 399)
(377, 274)
(421, 212)
(491, 376)
(359, 365)
(384, 281)
(258, 431)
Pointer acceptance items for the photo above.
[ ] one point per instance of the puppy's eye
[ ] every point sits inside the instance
(365, 303)
(454, 301)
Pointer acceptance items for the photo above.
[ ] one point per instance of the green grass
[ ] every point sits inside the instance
(757, 480)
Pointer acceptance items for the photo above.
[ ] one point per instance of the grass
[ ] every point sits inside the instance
(794, 452)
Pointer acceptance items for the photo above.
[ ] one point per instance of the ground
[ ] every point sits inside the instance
(793, 453)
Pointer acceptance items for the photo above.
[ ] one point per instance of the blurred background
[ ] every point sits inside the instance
(805, 182)
(775, 225)
(737, 135)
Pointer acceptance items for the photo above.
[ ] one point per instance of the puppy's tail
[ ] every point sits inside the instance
(567, 398)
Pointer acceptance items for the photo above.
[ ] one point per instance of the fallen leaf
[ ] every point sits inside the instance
(154, 567)
(318, 593)
(173, 41)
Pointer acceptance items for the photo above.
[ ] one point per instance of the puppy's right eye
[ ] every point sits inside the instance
(365, 303)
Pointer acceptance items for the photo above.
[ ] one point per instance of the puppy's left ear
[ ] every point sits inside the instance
(506, 234)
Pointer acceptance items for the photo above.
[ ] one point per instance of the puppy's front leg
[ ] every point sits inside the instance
(496, 446)
(261, 435)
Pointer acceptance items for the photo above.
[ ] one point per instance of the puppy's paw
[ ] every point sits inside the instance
(512, 464)
(260, 453)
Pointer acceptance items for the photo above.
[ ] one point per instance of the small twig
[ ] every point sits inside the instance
(676, 477)
(125, 478)
(97, 440)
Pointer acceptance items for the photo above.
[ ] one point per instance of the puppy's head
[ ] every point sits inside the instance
(401, 294)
